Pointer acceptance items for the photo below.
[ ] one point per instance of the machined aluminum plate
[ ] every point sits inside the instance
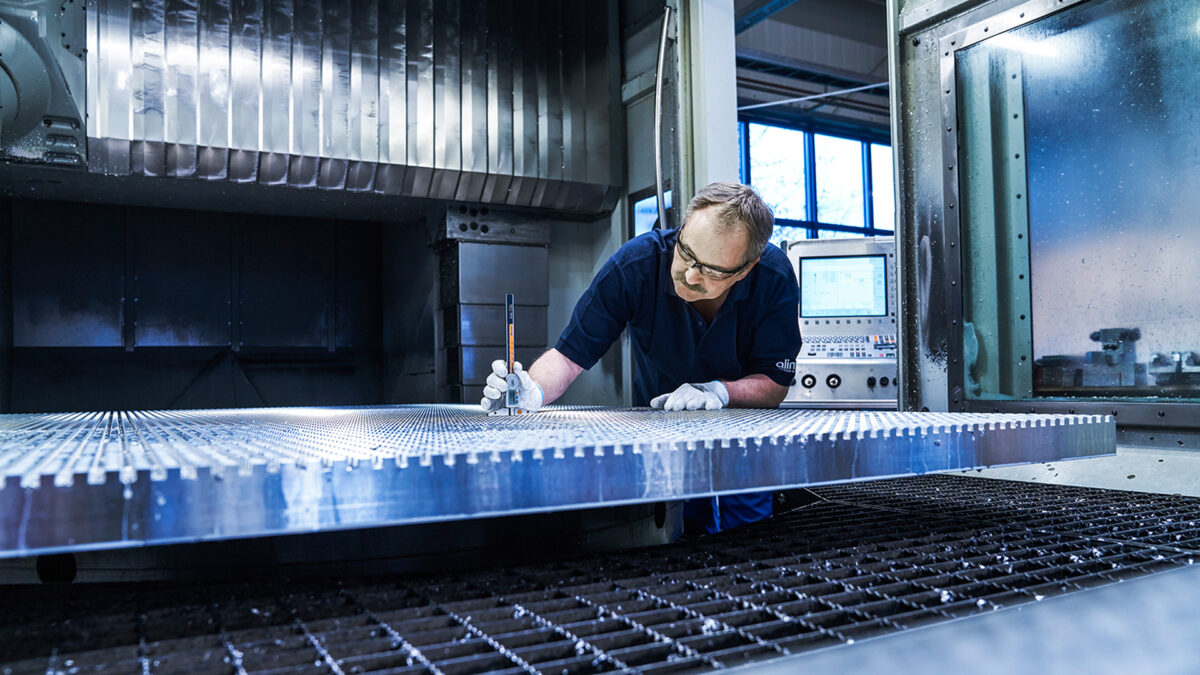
(76, 481)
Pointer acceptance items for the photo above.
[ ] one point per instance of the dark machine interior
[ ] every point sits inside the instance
(167, 308)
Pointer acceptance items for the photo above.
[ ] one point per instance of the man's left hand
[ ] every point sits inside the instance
(707, 396)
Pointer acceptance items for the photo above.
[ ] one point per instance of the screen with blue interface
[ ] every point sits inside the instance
(851, 286)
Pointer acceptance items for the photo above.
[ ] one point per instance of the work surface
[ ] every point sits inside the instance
(75, 481)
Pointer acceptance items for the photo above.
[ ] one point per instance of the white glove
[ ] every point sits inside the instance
(708, 396)
(529, 395)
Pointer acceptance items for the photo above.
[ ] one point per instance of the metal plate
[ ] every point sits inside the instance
(421, 91)
(286, 290)
(182, 270)
(472, 365)
(524, 271)
(106, 480)
(482, 325)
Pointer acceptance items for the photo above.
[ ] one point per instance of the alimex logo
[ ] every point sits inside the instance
(786, 365)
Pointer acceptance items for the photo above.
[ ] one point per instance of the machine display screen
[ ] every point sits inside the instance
(850, 286)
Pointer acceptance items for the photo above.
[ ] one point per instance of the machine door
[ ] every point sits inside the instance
(1053, 261)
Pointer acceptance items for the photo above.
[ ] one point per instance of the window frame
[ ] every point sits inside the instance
(865, 140)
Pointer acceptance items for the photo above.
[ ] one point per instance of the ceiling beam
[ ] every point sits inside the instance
(757, 11)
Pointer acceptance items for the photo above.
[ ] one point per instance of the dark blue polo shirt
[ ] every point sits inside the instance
(755, 330)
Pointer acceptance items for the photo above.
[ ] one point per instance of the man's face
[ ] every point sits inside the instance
(707, 261)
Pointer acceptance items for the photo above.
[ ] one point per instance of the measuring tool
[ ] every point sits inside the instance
(512, 396)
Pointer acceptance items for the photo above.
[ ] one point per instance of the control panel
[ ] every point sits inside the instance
(850, 347)
(847, 316)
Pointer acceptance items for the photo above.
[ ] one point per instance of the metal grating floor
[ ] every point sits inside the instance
(869, 559)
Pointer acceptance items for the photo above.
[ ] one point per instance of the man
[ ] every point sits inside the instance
(711, 312)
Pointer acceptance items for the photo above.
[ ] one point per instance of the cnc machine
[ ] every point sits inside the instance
(256, 263)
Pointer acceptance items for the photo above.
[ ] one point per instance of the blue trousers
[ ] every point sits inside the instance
(715, 514)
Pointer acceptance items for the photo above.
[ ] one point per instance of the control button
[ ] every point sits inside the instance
(883, 382)
(871, 381)
(808, 381)
(834, 381)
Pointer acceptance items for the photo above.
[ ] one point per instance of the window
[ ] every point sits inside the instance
(1078, 214)
(839, 181)
(820, 186)
(645, 212)
(777, 168)
(837, 234)
(883, 187)
(783, 233)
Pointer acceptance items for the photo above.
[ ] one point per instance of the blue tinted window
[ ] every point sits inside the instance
(783, 233)
(777, 169)
(741, 132)
(838, 234)
(839, 168)
(773, 159)
(645, 213)
(883, 187)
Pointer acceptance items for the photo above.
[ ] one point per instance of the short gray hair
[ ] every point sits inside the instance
(733, 205)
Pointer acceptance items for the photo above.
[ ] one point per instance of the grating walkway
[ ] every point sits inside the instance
(869, 559)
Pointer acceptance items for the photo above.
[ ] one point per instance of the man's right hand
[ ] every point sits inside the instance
(529, 394)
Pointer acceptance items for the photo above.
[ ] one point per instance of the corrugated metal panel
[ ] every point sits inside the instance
(462, 99)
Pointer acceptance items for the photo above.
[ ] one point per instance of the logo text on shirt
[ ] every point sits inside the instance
(786, 365)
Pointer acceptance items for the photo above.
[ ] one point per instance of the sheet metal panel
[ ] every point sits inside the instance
(92, 104)
(335, 95)
(470, 366)
(181, 284)
(147, 79)
(602, 75)
(66, 295)
(393, 96)
(6, 304)
(358, 296)
(180, 98)
(575, 99)
(212, 90)
(246, 33)
(277, 114)
(447, 99)
(480, 265)
(420, 98)
(112, 81)
(500, 91)
(284, 284)
(525, 113)
(366, 86)
(104, 480)
(474, 105)
(306, 90)
(474, 325)
(549, 103)
(415, 98)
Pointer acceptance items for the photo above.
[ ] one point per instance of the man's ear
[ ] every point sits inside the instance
(748, 268)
